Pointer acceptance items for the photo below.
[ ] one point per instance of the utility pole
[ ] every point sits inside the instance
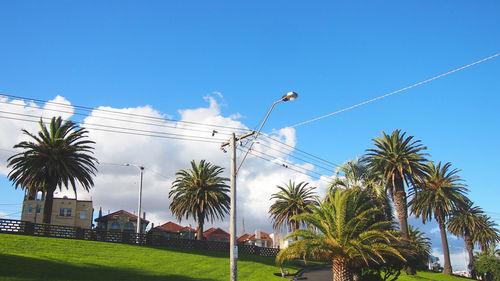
(233, 248)
(233, 251)
(140, 203)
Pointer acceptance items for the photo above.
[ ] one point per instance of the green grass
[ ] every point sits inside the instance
(425, 276)
(39, 258)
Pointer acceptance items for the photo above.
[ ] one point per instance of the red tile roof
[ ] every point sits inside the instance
(173, 227)
(114, 216)
(214, 232)
(170, 226)
(247, 237)
(243, 238)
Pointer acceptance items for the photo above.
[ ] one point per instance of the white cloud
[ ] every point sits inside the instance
(116, 185)
(18, 114)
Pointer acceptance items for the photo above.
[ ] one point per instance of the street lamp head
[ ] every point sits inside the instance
(290, 96)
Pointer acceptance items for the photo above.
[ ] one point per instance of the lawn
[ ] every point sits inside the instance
(39, 258)
(425, 276)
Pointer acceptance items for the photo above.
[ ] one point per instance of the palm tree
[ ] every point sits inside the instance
(57, 156)
(355, 174)
(420, 245)
(487, 234)
(439, 195)
(346, 231)
(400, 161)
(200, 193)
(465, 222)
(291, 200)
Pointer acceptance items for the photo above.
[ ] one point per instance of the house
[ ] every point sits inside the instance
(65, 211)
(216, 234)
(120, 221)
(259, 238)
(173, 230)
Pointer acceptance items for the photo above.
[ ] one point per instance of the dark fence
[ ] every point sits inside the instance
(126, 237)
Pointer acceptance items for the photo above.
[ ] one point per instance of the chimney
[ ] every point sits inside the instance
(100, 211)
(143, 215)
(257, 234)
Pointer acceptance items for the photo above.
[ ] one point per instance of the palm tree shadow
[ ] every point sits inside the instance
(26, 268)
(225, 255)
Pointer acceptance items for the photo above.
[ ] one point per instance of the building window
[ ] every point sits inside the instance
(83, 215)
(223, 239)
(68, 212)
(61, 212)
(30, 208)
(129, 226)
(213, 239)
(38, 208)
(115, 225)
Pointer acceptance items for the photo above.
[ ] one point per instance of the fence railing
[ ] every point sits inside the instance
(126, 237)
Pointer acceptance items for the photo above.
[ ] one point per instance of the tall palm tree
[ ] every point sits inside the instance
(291, 200)
(401, 161)
(355, 174)
(487, 234)
(465, 222)
(440, 194)
(56, 156)
(200, 193)
(346, 231)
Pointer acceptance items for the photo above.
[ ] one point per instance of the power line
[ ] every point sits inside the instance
(121, 120)
(90, 109)
(290, 168)
(395, 92)
(309, 155)
(295, 157)
(182, 137)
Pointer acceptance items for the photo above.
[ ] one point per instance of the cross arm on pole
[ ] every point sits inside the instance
(238, 138)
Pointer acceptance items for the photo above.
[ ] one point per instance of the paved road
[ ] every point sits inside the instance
(323, 273)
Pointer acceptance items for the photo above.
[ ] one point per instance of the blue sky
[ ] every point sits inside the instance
(334, 54)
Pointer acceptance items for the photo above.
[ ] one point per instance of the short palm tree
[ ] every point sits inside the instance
(440, 194)
(401, 161)
(345, 231)
(355, 174)
(292, 199)
(487, 234)
(60, 155)
(200, 193)
(420, 245)
(464, 222)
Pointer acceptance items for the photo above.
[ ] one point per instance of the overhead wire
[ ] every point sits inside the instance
(273, 161)
(153, 133)
(121, 120)
(397, 91)
(91, 109)
(140, 132)
(306, 154)
(180, 137)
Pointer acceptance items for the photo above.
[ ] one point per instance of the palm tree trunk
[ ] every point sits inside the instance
(446, 251)
(470, 249)
(47, 207)
(341, 271)
(295, 227)
(199, 234)
(401, 207)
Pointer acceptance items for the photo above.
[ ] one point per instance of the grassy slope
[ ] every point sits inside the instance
(39, 258)
(424, 276)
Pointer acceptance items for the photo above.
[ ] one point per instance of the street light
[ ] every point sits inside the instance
(141, 169)
(233, 248)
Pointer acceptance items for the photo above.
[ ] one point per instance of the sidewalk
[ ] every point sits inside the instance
(316, 273)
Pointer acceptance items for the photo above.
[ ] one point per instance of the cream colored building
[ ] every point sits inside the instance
(65, 211)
